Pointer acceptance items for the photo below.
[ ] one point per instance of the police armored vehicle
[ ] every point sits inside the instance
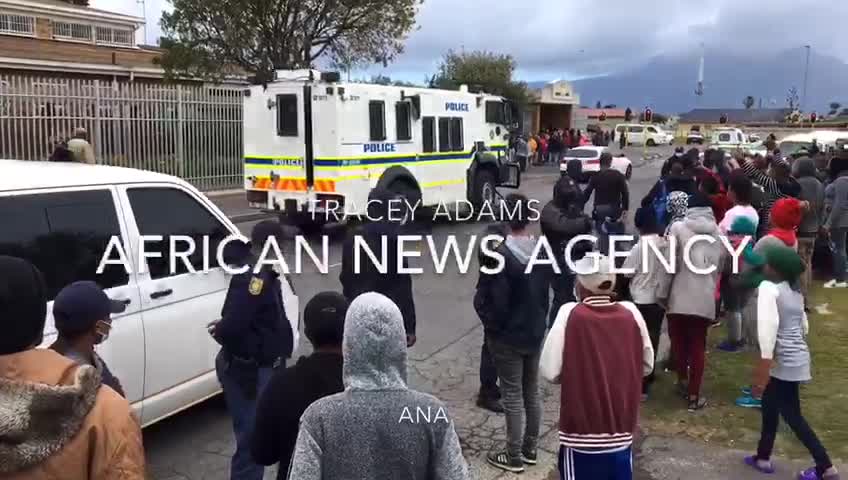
(313, 143)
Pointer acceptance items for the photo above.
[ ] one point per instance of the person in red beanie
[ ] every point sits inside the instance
(784, 218)
(786, 215)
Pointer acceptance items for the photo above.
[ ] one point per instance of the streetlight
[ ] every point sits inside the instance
(806, 75)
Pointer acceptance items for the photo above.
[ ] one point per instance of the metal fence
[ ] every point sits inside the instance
(191, 131)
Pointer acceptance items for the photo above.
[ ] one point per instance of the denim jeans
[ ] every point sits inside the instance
(488, 375)
(837, 241)
(518, 372)
(242, 409)
(563, 287)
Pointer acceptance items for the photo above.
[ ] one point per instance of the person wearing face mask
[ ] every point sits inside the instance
(81, 312)
(57, 420)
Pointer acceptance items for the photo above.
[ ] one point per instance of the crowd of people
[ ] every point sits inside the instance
(347, 411)
(549, 146)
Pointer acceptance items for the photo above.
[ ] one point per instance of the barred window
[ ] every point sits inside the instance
(115, 36)
(19, 24)
(71, 31)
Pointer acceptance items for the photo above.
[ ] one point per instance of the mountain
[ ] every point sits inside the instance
(667, 83)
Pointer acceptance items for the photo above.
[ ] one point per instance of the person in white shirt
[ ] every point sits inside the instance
(740, 191)
(649, 280)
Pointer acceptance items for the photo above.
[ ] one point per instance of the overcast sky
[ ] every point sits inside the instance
(553, 39)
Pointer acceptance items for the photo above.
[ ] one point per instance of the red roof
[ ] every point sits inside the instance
(596, 112)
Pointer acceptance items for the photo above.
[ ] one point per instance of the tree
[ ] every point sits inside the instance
(386, 80)
(211, 38)
(748, 102)
(834, 108)
(481, 70)
(792, 98)
(598, 105)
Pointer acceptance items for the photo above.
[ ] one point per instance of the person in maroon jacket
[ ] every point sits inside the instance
(598, 350)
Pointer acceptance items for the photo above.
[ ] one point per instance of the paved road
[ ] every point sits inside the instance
(197, 443)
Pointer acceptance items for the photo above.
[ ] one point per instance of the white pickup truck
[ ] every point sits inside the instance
(729, 139)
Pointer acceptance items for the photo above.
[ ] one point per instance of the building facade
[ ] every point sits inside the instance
(551, 106)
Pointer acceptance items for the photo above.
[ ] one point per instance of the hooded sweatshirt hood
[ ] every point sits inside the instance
(521, 247)
(701, 221)
(37, 420)
(374, 345)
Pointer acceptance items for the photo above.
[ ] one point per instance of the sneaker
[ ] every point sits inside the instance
(812, 474)
(695, 405)
(730, 347)
(501, 460)
(491, 404)
(748, 401)
(762, 467)
(836, 284)
(747, 391)
(529, 458)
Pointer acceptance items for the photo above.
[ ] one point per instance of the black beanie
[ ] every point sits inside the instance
(323, 319)
(23, 305)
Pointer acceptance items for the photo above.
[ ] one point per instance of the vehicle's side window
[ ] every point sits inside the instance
(636, 129)
(652, 129)
(403, 121)
(377, 120)
(739, 137)
(724, 137)
(64, 234)
(428, 134)
(169, 212)
(494, 112)
(287, 115)
(456, 140)
(619, 128)
(444, 134)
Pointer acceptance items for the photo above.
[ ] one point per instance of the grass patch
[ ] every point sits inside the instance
(823, 401)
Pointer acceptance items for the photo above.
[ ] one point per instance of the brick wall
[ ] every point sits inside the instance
(43, 28)
(58, 51)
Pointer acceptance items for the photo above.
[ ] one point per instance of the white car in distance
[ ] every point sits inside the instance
(590, 157)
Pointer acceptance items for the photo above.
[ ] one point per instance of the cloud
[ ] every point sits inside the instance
(555, 39)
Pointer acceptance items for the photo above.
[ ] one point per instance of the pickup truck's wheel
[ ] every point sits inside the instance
(651, 143)
(484, 189)
(629, 172)
(412, 197)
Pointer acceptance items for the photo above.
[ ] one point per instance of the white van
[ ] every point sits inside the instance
(640, 134)
(825, 139)
(60, 216)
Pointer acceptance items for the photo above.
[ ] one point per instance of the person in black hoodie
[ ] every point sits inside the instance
(513, 307)
(562, 220)
(382, 208)
(290, 391)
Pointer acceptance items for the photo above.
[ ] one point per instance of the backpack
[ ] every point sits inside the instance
(660, 205)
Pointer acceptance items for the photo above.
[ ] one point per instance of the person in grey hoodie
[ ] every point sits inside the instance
(689, 316)
(836, 223)
(513, 307)
(812, 192)
(378, 428)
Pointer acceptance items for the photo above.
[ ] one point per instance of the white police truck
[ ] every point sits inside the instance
(313, 143)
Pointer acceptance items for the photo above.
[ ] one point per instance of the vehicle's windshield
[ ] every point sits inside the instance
(581, 153)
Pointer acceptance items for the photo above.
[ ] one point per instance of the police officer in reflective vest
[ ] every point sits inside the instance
(255, 337)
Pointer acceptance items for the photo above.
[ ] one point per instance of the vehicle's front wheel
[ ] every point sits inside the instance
(411, 197)
(484, 189)
(651, 142)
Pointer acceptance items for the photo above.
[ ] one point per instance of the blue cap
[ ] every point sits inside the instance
(80, 305)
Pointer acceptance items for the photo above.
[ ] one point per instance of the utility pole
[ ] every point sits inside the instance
(806, 76)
